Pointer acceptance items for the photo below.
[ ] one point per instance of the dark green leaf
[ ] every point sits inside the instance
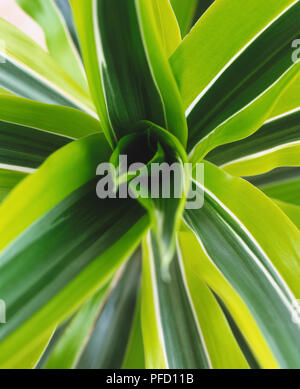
(259, 66)
(113, 326)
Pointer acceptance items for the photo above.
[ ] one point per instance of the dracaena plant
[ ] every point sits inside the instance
(133, 283)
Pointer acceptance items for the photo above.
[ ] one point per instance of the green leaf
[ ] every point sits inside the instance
(26, 147)
(62, 173)
(162, 186)
(281, 184)
(129, 89)
(160, 68)
(248, 120)
(135, 356)
(188, 12)
(284, 155)
(113, 326)
(83, 15)
(172, 336)
(291, 210)
(184, 11)
(58, 38)
(205, 53)
(49, 290)
(222, 348)
(262, 268)
(72, 341)
(29, 71)
(289, 100)
(275, 144)
(242, 98)
(30, 359)
(8, 180)
(167, 25)
(204, 268)
(59, 120)
(135, 74)
(66, 12)
(53, 283)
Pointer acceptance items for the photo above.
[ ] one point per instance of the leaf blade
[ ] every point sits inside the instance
(59, 42)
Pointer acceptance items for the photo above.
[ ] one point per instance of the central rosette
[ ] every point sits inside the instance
(151, 166)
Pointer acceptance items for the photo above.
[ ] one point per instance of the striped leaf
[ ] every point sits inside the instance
(288, 102)
(59, 40)
(64, 277)
(87, 338)
(83, 15)
(156, 53)
(276, 144)
(172, 336)
(55, 119)
(50, 184)
(264, 274)
(247, 90)
(195, 69)
(135, 355)
(66, 12)
(25, 147)
(136, 77)
(113, 325)
(68, 347)
(28, 71)
(8, 180)
(281, 184)
(161, 184)
(204, 268)
(222, 348)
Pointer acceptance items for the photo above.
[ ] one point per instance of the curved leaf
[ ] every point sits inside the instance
(59, 120)
(291, 210)
(263, 265)
(276, 144)
(160, 68)
(281, 184)
(66, 12)
(135, 356)
(161, 185)
(288, 102)
(54, 282)
(72, 340)
(242, 98)
(205, 53)
(204, 268)
(135, 75)
(8, 180)
(27, 147)
(59, 41)
(167, 25)
(113, 326)
(28, 71)
(52, 182)
(172, 336)
(222, 348)
(248, 120)
(184, 11)
(83, 15)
